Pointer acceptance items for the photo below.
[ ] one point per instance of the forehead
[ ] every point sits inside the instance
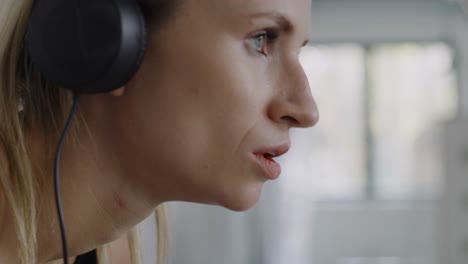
(285, 5)
(298, 12)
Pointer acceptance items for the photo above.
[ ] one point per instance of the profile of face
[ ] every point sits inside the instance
(218, 91)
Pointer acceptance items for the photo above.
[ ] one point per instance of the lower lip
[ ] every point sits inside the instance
(271, 169)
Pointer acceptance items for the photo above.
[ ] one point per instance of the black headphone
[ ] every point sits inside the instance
(88, 46)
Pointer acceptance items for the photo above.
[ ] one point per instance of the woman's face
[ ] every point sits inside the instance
(218, 91)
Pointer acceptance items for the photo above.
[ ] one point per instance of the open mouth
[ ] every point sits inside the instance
(269, 156)
(265, 160)
(268, 165)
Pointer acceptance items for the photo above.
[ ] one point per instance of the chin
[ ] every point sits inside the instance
(242, 200)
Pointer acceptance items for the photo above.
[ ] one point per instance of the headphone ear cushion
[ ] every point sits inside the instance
(88, 46)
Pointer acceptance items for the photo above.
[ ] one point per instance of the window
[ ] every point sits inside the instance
(375, 103)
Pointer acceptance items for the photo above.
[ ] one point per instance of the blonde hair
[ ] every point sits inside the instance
(28, 100)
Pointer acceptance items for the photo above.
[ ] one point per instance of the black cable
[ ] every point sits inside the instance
(58, 201)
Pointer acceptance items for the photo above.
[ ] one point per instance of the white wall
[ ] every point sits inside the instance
(404, 233)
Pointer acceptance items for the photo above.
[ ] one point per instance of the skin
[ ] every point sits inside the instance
(209, 93)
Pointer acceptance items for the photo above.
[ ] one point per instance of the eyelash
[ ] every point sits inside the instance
(268, 37)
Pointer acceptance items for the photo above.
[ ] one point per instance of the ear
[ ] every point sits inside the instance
(119, 91)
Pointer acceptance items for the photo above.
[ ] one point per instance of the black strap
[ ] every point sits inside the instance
(87, 258)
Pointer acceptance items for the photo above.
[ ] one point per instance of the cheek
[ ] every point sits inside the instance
(195, 120)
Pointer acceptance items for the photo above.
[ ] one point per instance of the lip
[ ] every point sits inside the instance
(264, 160)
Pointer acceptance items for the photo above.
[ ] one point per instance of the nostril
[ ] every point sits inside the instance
(301, 119)
(290, 120)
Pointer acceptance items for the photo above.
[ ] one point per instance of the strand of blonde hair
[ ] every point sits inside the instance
(16, 180)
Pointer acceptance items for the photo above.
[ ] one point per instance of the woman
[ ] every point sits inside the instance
(211, 104)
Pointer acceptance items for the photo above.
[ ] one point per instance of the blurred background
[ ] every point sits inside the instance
(383, 177)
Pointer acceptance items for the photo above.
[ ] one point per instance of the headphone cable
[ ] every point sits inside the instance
(58, 201)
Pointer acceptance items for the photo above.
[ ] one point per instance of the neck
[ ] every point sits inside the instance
(99, 206)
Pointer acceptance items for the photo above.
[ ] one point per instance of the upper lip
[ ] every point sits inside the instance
(274, 151)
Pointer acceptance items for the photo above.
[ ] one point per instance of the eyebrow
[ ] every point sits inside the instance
(283, 22)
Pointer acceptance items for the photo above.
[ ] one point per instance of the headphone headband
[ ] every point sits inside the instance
(88, 46)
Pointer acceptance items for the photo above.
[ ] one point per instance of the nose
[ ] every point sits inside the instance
(293, 104)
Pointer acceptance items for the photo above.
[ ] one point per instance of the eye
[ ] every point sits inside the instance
(262, 41)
